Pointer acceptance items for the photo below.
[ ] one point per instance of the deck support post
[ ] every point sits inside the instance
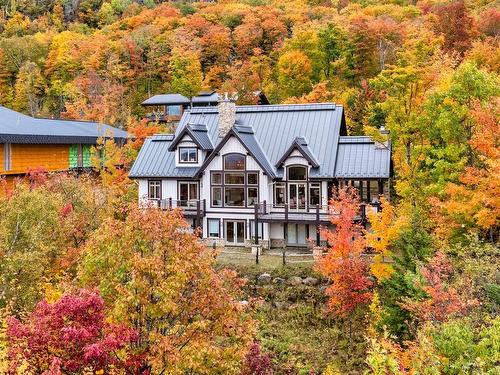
(198, 215)
(318, 239)
(256, 232)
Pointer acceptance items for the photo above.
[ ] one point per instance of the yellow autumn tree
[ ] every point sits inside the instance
(384, 229)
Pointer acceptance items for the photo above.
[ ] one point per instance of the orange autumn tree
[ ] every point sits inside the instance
(343, 264)
(474, 202)
(158, 278)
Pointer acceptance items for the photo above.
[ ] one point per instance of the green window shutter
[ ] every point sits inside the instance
(86, 156)
(73, 156)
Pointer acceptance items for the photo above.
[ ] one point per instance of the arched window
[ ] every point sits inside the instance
(234, 162)
(297, 173)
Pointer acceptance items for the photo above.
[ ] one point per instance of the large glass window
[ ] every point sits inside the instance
(234, 186)
(234, 162)
(314, 193)
(154, 189)
(297, 173)
(234, 196)
(279, 193)
(217, 196)
(188, 194)
(213, 228)
(216, 178)
(174, 110)
(234, 178)
(260, 229)
(253, 179)
(252, 196)
(368, 189)
(188, 155)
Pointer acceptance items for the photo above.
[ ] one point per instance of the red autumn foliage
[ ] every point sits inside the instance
(343, 264)
(256, 362)
(68, 336)
(456, 25)
(36, 177)
(443, 301)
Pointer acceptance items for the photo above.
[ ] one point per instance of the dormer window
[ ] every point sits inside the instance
(188, 155)
(297, 173)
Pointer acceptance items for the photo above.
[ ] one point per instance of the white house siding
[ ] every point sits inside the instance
(233, 213)
(143, 189)
(168, 188)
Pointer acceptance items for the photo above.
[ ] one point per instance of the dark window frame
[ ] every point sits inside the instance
(245, 229)
(224, 157)
(223, 185)
(288, 167)
(180, 148)
(252, 231)
(378, 184)
(159, 189)
(197, 183)
(218, 226)
(309, 183)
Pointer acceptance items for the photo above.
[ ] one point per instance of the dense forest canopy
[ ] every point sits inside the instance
(100, 59)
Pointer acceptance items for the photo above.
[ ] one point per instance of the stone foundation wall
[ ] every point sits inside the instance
(277, 243)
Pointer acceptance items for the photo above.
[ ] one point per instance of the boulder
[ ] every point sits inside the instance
(311, 281)
(265, 278)
(281, 305)
(294, 280)
(278, 280)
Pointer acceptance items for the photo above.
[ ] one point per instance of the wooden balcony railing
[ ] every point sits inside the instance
(193, 207)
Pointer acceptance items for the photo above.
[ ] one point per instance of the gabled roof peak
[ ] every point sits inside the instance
(300, 144)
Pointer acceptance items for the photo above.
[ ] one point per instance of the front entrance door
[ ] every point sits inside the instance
(296, 235)
(234, 232)
(297, 195)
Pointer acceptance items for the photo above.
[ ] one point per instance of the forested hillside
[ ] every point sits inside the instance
(99, 59)
(90, 283)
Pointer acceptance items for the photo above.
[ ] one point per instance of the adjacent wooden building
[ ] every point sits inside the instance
(28, 143)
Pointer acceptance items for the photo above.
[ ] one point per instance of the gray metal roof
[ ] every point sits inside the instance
(178, 99)
(16, 127)
(275, 127)
(267, 132)
(154, 160)
(361, 157)
(198, 133)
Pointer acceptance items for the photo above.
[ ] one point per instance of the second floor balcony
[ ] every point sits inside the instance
(304, 213)
(191, 208)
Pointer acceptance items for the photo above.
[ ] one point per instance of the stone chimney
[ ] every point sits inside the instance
(227, 115)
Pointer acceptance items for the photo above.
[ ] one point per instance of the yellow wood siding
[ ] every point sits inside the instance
(48, 157)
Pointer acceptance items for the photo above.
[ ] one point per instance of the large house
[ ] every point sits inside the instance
(53, 145)
(266, 172)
